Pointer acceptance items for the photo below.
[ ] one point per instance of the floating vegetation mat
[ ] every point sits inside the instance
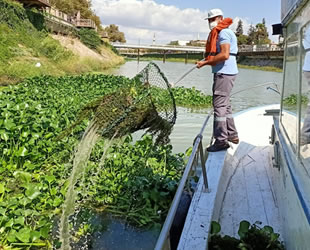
(135, 180)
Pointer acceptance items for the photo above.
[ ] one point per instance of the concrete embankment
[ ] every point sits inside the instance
(261, 62)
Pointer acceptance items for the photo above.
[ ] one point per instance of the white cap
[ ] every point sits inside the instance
(214, 12)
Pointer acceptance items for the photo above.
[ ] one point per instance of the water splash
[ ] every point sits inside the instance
(106, 147)
(80, 160)
(81, 157)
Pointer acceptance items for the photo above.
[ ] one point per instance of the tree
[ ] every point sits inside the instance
(90, 38)
(251, 35)
(242, 39)
(174, 43)
(239, 30)
(262, 33)
(114, 34)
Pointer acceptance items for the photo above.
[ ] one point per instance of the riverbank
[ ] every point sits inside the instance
(61, 56)
(27, 50)
(264, 68)
(270, 64)
(240, 65)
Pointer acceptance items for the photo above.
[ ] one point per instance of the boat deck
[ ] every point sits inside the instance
(240, 184)
(249, 195)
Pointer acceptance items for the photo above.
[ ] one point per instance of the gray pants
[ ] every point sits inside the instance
(305, 131)
(224, 125)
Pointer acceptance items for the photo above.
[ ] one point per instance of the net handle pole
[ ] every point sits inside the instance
(185, 74)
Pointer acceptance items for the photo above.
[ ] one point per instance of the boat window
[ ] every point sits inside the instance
(290, 88)
(305, 101)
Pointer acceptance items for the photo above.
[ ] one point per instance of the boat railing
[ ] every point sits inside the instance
(196, 155)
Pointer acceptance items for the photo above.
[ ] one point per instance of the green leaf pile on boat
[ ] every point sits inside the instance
(250, 237)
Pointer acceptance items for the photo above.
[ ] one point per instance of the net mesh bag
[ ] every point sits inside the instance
(146, 104)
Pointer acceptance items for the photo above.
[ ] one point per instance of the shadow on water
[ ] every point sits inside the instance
(115, 234)
(118, 235)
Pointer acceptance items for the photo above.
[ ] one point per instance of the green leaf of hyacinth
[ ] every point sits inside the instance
(243, 228)
(215, 228)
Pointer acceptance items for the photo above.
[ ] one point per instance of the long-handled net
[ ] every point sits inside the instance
(147, 103)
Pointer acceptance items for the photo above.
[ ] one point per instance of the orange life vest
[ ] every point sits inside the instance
(211, 50)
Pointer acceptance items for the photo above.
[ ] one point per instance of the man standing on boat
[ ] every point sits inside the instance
(221, 52)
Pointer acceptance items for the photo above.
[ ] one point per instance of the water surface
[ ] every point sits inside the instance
(118, 235)
(188, 124)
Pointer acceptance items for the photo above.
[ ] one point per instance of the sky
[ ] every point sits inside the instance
(171, 20)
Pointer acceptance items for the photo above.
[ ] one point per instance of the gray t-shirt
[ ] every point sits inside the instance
(228, 67)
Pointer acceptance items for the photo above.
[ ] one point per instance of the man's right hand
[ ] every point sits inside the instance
(200, 64)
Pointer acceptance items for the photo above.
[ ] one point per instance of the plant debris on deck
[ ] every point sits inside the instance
(252, 237)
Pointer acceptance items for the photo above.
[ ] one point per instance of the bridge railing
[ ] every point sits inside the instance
(261, 48)
(249, 48)
(58, 14)
(61, 17)
(155, 45)
(85, 23)
(58, 17)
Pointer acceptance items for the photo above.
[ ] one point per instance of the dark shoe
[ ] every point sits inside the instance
(234, 140)
(304, 140)
(218, 146)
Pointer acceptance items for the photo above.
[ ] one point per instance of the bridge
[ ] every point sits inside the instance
(159, 47)
(140, 50)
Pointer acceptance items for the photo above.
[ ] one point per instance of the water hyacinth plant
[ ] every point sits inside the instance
(250, 237)
(35, 167)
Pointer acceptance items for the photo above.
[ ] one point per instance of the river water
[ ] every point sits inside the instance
(118, 235)
(189, 123)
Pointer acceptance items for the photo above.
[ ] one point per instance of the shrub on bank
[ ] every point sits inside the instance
(90, 38)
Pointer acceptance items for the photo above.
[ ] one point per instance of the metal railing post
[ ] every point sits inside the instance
(203, 166)
(197, 150)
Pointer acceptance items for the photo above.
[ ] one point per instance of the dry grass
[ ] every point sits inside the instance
(88, 64)
(82, 60)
